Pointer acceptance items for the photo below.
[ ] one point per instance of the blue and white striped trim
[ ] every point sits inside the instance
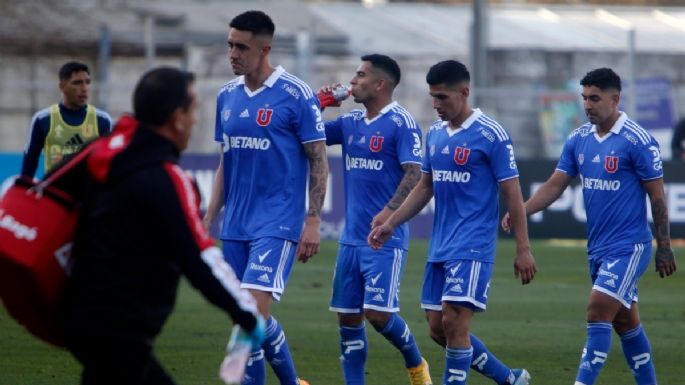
(278, 278)
(429, 306)
(495, 127)
(640, 132)
(408, 120)
(629, 277)
(382, 308)
(470, 300)
(395, 277)
(297, 82)
(231, 85)
(345, 310)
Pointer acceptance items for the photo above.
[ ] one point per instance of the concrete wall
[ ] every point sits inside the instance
(517, 79)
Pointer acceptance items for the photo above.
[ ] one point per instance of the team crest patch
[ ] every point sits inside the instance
(461, 155)
(432, 150)
(581, 159)
(226, 114)
(376, 143)
(264, 116)
(611, 164)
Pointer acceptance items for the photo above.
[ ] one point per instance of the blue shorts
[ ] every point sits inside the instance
(463, 282)
(261, 264)
(367, 279)
(616, 273)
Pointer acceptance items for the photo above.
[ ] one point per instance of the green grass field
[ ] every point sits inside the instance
(539, 326)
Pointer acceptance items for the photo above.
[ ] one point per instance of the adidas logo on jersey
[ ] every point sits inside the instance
(610, 283)
(378, 297)
(362, 140)
(245, 114)
(445, 150)
(75, 140)
(595, 159)
(264, 278)
(457, 288)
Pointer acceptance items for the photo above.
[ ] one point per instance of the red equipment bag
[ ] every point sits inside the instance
(37, 226)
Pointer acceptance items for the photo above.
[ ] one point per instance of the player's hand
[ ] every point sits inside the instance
(207, 221)
(506, 223)
(328, 89)
(524, 266)
(665, 261)
(379, 235)
(381, 217)
(310, 240)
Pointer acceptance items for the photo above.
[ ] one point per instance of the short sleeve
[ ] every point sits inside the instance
(567, 160)
(647, 160)
(502, 160)
(334, 131)
(409, 145)
(308, 122)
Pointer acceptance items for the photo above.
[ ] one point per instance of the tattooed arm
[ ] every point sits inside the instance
(664, 257)
(318, 177)
(412, 174)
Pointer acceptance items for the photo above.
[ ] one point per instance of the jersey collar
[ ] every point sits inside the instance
(269, 82)
(382, 112)
(475, 114)
(618, 125)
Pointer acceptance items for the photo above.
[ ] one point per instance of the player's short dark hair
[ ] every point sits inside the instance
(257, 22)
(70, 68)
(449, 72)
(386, 64)
(160, 92)
(602, 78)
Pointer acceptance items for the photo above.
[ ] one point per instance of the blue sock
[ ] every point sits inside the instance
(457, 364)
(353, 354)
(595, 352)
(397, 332)
(277, 353)
(255, 371)
(487, 364)
(638, 353)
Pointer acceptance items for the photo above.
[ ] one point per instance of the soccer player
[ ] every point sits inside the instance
(269, 125)
(468, 158)
(63, 128)
(619, 163)
(382, 149)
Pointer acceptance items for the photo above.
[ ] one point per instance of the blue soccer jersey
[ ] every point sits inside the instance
(265, 166)
(612, 169)
(467, 165)
(374, 152)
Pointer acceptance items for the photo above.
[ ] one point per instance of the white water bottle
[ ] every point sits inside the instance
(238, 352)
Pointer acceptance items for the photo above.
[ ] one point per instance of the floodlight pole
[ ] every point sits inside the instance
(631, 106)
(149, 38)
(479, 51)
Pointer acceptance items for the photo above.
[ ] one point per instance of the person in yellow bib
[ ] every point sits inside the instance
(64, 128)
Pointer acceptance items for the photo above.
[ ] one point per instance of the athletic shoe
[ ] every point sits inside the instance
(302, 382)
(521, 377)
(420, 375)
